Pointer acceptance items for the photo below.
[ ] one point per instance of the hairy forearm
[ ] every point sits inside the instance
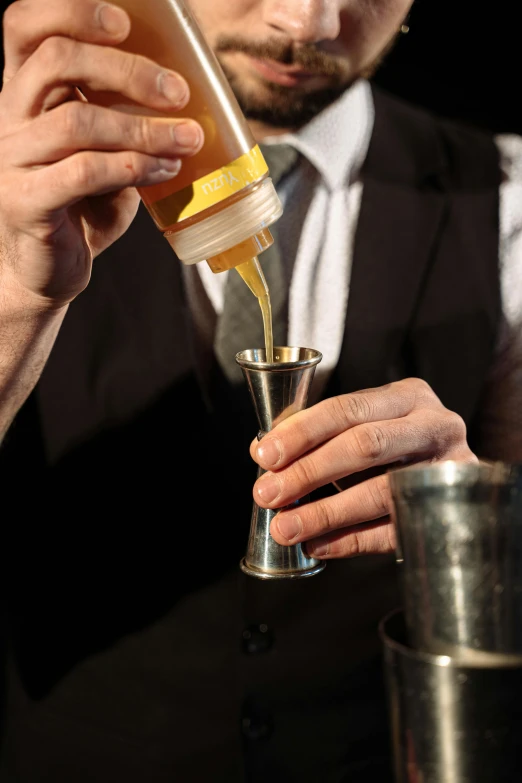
(27, 335)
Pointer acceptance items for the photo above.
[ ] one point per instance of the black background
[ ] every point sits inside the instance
(460, 59)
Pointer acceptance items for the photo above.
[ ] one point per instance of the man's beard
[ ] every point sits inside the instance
(275, 104)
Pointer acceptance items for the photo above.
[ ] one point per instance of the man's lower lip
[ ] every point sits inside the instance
(286, 79)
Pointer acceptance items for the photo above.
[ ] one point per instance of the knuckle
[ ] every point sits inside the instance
(447, 433)
(456, 422)
(128, 66)
(11, 18)
(380, 495)
(369, 442)
(72, 120)
(84, 172)
(354, 545)
(55, 53)
(375, 540)
(320, 517)
(418, 384)
(455, 427)
(378, 539)
(144, 134)
(422, 391)
(355, 408)
(303, 473)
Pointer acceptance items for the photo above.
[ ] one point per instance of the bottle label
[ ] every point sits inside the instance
(216, 186)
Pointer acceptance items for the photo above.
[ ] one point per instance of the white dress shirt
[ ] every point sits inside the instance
(321, 223)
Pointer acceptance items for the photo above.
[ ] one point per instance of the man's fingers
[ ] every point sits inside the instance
(374, 539)
(76, 126)
(91, 174)
(365, 502)
(354, 522)
(27, 23)
(60, 61)
(424, 434)
(308, 429)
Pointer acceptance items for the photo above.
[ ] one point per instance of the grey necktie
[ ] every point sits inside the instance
(240, 325)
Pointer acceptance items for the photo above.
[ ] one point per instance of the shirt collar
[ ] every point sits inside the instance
(336, 140)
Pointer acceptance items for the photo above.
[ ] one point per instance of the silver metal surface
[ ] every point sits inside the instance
(459, 531)
(278, 390)
(451, 721)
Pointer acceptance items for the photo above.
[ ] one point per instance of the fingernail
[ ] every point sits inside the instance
(289, 526)
(113, 19)
(269, 452)
(167, 167)
(170, 164)
(317, 550)
(173, 88)
(187, 135)
(268, 487)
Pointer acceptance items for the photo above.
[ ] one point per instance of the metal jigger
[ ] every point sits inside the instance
(278, 389)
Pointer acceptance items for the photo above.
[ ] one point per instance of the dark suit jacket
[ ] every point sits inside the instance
(135, 648)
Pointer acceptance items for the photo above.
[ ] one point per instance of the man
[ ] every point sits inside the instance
(135, 649)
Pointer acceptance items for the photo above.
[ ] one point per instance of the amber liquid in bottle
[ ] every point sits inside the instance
(165, 31)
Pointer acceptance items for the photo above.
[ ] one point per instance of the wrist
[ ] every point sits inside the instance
(18, 301)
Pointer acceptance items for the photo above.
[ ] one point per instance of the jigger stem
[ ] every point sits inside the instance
(278, 390)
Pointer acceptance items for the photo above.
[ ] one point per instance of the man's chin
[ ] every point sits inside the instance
(281, 107)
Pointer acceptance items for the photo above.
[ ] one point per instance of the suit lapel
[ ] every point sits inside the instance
(395, 237)
(402, 213)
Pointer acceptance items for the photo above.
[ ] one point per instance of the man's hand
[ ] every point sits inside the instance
(353, 435)
(68, 168)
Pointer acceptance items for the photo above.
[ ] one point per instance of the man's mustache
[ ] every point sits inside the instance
(306, 56)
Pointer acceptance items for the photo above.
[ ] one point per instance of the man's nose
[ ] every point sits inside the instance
(304, 21)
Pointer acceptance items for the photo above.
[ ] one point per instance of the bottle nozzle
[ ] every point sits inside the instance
(242, 252)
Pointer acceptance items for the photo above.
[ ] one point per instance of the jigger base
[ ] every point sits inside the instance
(258, 574)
